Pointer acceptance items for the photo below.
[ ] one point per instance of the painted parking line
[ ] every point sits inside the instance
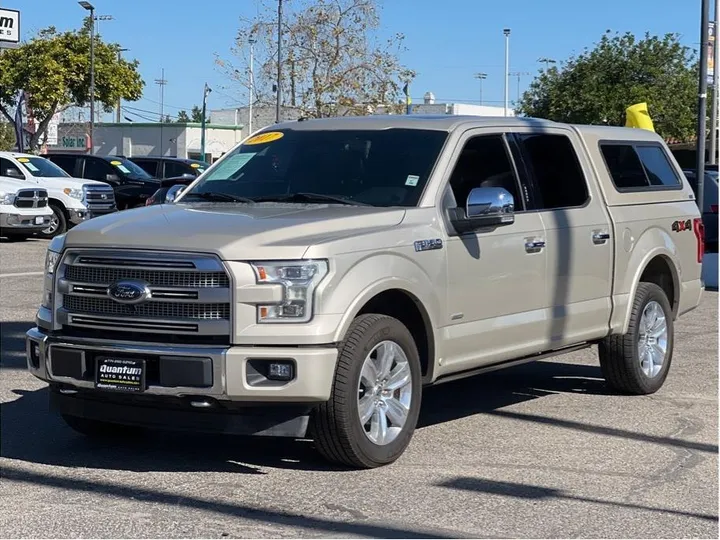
(22, 274)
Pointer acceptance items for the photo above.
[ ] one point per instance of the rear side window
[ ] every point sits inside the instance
(174, 168)
(639, 167)
(149, 166)
(554, 166)
(66, 163)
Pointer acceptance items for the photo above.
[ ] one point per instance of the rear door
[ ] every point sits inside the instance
(578, 235)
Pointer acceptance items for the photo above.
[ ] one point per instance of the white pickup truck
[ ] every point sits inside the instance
(312, 281)
(24, 210)
(72, 200)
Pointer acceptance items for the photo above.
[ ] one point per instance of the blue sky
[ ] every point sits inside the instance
(448, 41)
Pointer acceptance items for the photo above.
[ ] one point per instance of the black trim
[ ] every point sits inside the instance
(640, 189)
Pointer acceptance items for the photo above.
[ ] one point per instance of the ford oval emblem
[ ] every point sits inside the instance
(129, 291)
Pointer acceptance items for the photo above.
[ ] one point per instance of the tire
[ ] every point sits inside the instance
(336, 425)
(620, 354)
(97, 429)
(58, 223)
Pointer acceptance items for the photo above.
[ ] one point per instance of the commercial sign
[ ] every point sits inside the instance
(9, 28)
(711, 53)
(73, 142)
(52, 130)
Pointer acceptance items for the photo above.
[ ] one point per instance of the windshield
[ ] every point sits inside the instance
(386, 167)
(128, 169)
(38, 166)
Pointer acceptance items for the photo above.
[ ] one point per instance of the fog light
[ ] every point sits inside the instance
(35, 355)
(280, 371)
(13, 219)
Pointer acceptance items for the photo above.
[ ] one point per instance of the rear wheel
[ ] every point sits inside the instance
(638, 362)
(58, 223)
(375, 400)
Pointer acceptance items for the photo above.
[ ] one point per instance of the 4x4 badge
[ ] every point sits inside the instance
(680, 226)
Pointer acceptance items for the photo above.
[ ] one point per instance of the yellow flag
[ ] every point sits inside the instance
(637, 116)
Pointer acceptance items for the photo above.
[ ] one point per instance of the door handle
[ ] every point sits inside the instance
(600, 237)
(533, 246)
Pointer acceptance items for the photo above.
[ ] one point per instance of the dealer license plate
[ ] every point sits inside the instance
(120, 374)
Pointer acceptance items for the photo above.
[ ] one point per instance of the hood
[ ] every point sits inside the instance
(233, 232)
(13, 185)
(63, 182)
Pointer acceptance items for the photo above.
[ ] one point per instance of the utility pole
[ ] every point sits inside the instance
(88, 6)
(702, 101)
(716, 86)
(519, 74)
(506, 32)
(119, 103)
(547, 62)
(279, 63)
(206, 91)
(161, 82)
(252, 41)
(481, 77)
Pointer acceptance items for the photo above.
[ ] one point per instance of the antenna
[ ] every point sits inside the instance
(161, 82)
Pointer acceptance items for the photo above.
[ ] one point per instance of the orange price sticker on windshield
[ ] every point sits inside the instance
(262, 138)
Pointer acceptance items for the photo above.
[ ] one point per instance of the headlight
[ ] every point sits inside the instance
(51, 260)
(75, 193)
(299, 280)
(7, 198)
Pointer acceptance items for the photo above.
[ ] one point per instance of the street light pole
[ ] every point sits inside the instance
(547, 62)
(702, 101)
(206, 91)
(119, 104)
(88, 6)
(279, 63)
(481, 77)
(252, 85)
(506, 31)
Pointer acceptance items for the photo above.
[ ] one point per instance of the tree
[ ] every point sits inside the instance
(54, 70)
(333, 61)
(182, 117)
(596, 86)
(196, 114)
(7, 136)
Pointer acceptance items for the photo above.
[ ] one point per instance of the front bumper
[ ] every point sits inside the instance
(78, 215)
(24, 223)
(184, 379)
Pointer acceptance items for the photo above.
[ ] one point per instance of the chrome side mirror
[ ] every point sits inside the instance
(173, 193)
(486, 207)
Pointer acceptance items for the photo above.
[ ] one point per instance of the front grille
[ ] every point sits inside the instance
(31, 198)
(190, 294)
(158, 278)
(153, 310)
(99, 197)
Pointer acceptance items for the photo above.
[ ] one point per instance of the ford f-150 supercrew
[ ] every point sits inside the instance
(317, 277)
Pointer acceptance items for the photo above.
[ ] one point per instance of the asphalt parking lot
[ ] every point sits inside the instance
(542, 450)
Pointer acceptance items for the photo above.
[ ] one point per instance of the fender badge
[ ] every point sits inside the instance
(427, 245)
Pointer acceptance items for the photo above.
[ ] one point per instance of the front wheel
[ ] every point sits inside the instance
(58, 223)
(638, 362)
(375, 399)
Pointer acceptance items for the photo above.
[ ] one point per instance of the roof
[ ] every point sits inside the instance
(18, 154)
(440, 122)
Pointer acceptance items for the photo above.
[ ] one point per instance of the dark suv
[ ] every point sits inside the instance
(132, 185)
(167, 167)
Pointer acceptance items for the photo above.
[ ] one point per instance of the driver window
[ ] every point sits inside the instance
(484, 162)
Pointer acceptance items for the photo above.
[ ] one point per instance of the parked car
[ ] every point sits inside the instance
(317, 277)
(710, 205)
(171, 188)
(166, 167)
(72, 200)
(132, 185)
(24, 210)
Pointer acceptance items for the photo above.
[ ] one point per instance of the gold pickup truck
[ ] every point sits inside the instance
(316, 278)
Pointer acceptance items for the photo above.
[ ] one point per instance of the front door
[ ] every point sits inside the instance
(496, 278)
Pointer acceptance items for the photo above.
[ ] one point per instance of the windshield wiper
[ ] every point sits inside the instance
(310, 197)
(218, 196)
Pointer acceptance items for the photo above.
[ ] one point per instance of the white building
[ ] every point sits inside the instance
(132, 139)
(263, 116)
